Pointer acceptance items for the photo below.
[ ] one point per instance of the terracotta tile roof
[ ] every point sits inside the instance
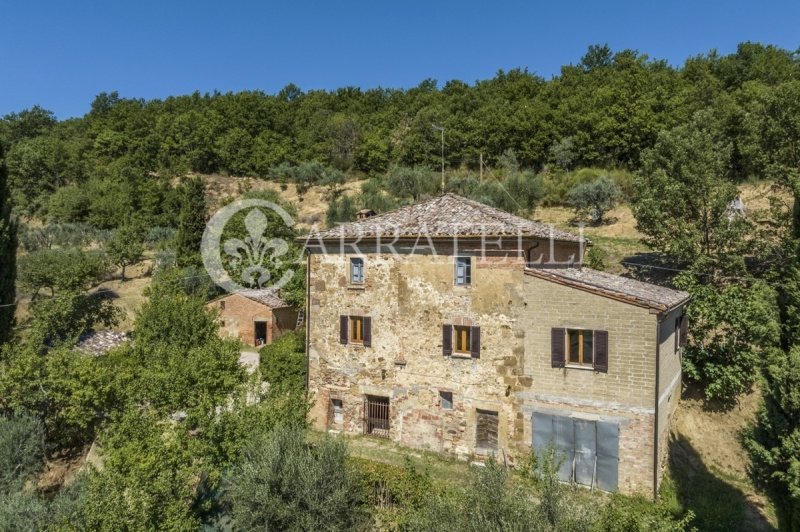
(268, 296)
(445, 215)
(635, 292)
(98, 343)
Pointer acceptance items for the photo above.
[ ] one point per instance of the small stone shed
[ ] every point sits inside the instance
(256, 317)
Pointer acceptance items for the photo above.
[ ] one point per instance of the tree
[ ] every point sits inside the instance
(594, 199)
(774, 442)
(411, 183)
(125, 247)
(8, 256)
(56, 269)
(733, 330)
(682, 198)
(191, 222)
(287, 483)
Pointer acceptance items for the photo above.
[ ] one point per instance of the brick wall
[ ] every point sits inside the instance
(237, 319)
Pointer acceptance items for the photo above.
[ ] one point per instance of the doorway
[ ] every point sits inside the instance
(260, 333)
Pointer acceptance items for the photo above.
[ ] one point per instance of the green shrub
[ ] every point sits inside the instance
(287, 483)
(283, 362)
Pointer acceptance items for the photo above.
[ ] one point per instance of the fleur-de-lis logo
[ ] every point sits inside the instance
(254, 258)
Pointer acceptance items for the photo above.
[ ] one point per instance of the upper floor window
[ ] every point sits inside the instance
(222, 305)
(462, 335)
(579, 347)
(463, 274)
(681, 332)
(357, 270)
(355, 330)
(463, 340)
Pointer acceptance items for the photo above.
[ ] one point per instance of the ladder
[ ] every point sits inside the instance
(301, 319)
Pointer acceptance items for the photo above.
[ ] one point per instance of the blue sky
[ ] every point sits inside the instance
(60, 54)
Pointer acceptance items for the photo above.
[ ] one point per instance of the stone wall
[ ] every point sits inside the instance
(410, 296)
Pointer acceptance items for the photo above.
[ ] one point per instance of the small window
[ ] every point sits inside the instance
(222, 323)
(445, 400)
(337, 411)
(463, 338)
(222, 305)
(463, 270)
(357, 270)
(356, 329)
(580, 347)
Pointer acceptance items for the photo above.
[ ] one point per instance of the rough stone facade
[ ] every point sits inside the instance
(411, 294)
(238, 316)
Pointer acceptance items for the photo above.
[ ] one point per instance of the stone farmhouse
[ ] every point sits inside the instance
(458, 328)
(256, 317)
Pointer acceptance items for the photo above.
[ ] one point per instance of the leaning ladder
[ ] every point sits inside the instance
(301, 319)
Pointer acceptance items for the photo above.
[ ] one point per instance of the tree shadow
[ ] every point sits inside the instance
(716, 503)
(651, 267)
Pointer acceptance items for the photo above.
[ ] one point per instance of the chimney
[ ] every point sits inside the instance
(363, 214)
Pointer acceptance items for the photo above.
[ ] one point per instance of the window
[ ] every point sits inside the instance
(356, 329)
(681, 332)
(222, 305)
(337, 411)
(580, 347)
(462, 338)
(445, 400)
(376, 416)
(463, 270)
(486, 430)
(356, 270)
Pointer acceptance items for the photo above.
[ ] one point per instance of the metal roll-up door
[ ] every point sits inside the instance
(607, 455)
(542, 432)
(564, 439)
(585, 451)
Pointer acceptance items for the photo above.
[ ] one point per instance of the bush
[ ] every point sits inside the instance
(68, 204)
(21, 450)
(287, 483)
(283, 362)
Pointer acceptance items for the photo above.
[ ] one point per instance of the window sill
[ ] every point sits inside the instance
(465, 356)
(574, 366)
(356, 287)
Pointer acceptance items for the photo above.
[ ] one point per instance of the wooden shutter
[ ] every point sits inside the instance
(601, 351)
(475, 341)
(684, 330)
(343, 329)
(447, 340)
(367, 331)
(557, 347)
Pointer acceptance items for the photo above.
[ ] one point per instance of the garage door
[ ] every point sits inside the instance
(588, 449)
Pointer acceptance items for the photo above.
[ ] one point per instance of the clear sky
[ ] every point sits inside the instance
(60, 54)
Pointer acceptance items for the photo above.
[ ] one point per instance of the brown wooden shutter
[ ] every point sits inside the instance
(343, 337)
(601, 351)
(557, 347)
(367, 331)
(475, 341)
(684, 330)
(447, 340)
